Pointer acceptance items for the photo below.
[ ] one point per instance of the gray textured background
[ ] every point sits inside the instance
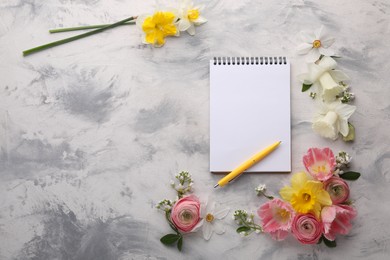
(92, 132)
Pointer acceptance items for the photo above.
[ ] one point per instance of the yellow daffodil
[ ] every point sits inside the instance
(306, 195)
(158, 26)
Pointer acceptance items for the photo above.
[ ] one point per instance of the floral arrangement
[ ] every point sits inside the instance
(314, 208)
(329, 84)
(155, 27)
(187, 214)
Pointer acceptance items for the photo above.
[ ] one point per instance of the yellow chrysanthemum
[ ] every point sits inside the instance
(158, 26)
(306, 195)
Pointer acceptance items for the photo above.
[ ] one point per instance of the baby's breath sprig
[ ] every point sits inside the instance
(165, 205)
(342, 161)
(246, 222)
(185, 183)
(260, 190)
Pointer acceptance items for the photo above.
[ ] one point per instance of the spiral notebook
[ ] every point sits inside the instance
(249, 110)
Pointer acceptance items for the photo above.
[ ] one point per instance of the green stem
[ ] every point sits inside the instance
(96, 26)
(70, 39)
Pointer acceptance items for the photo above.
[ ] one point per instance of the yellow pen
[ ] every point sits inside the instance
(246, 165)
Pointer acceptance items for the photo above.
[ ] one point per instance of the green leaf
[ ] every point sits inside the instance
(335, 57)
(350, 176)
(320, 240)
(180, 243)
(243, 229)
(169, 239)
(329, 243)
(305, 87)
(70, 39)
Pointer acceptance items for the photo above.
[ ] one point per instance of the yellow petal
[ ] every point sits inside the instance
(148, 24)
(286, 193)
(150, 38)
(323, 198)
(170, 30)
(298, 180)
(160, 38)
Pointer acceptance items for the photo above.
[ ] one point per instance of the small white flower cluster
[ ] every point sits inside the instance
(185, 183)
(260, 191)
(333, 115)
(239, 216)
(165, 205)
(246, 221)
(342, 161)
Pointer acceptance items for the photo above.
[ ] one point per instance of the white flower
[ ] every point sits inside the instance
(189, 16)
(324, 76)
(261, 188)
(333, 119)
(211, 222)
(315, 44)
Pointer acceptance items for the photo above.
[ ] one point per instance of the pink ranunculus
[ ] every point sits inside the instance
(185, 213)
(307, 229)
(338, 190)
(276, 216)
(320, 163)
(337, 220)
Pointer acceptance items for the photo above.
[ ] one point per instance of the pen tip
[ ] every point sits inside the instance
(216, 185)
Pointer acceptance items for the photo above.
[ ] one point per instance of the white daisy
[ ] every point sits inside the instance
(315, 44)
(212, 215)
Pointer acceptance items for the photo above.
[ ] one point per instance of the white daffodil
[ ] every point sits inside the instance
(315, 44)
(332, 119)
(189, 16)
(324, 76)
(211, 219)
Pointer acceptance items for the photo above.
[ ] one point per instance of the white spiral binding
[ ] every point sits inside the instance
(249, 60)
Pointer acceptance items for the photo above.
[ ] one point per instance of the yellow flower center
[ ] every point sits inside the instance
(193, 14)
(317, 44)
(304, 200)
(283, 215)
(318, 168)
(209, 217)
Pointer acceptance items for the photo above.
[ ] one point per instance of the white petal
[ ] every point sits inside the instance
(328, 63)
(338, 75)
(344, 129)
(326, 52)
(326, 42)
(345, 111)
(221, 213)
(315, 71)
(304, 48)
(313, 55)
(308, 38)
(318, 32)
(200, 20)
(140, 20)
(191, 30)
(199, 225)
(207, 231)
(330, 88)
(304, 78)
(184, 24)
(210, 207)
(218, 227)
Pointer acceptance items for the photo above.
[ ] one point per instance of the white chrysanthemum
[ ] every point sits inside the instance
(211, 219)
(315, 44)
(332, 119)
(189, 16)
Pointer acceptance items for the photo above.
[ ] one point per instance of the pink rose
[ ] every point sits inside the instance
(338, 190)
(337, 220)
(319, 163)
(276, 216)
(186, 213)
(307, 229)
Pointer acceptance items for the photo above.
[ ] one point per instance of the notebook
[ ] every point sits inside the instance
(249, 110)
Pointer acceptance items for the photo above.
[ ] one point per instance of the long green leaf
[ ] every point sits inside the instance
(70, 39)
(329, 243)
(180, 243)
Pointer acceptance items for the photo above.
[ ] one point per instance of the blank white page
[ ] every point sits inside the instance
(250, 110)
